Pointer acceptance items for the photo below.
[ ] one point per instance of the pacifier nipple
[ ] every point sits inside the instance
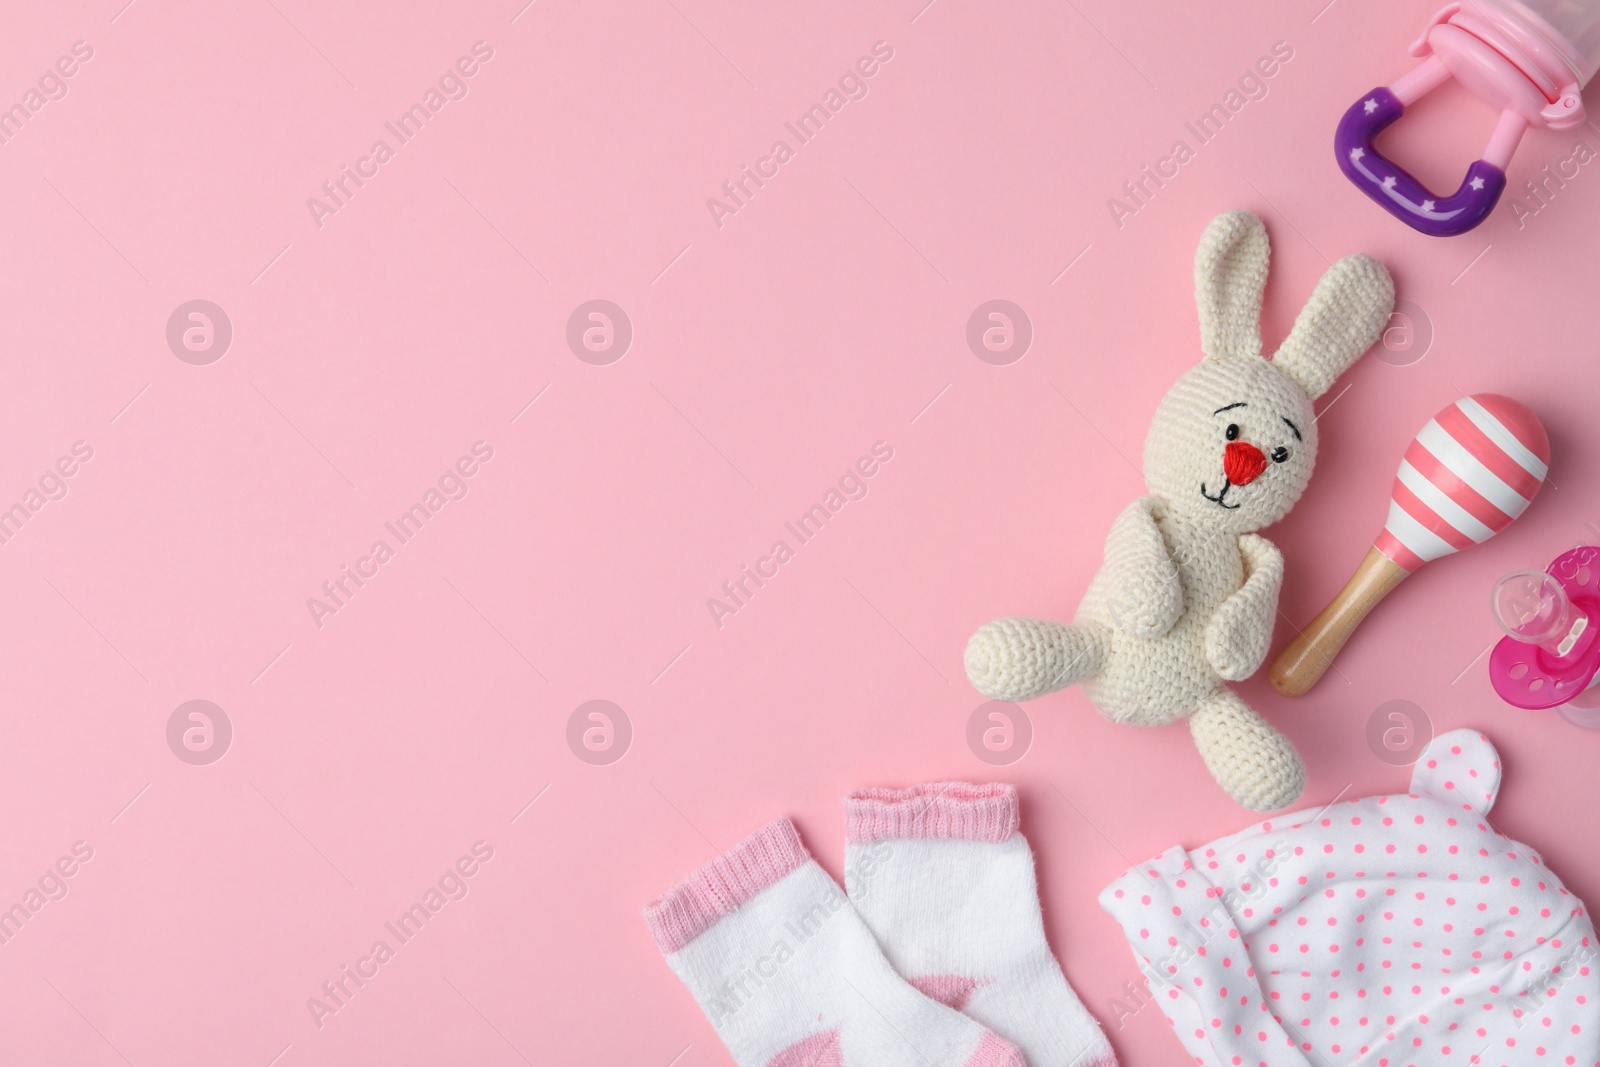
(1531, 607)
(1550, 656)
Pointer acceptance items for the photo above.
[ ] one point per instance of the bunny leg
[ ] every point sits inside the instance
(1019, 659)
(1251, 760)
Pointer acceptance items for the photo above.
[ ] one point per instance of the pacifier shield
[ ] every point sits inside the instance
(1527, 675)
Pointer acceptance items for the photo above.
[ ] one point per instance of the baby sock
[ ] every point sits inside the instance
(946, 883)
(789, 975)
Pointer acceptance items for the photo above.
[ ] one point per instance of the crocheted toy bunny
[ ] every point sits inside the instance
(1187, 594)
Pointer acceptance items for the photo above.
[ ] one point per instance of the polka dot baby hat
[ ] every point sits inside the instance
(1397, 931)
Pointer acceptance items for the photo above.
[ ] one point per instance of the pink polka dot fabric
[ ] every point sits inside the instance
(1396, 931)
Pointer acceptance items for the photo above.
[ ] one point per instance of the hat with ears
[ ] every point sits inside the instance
(1403, 930)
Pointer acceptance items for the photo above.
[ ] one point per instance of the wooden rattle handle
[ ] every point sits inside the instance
(1304, 659)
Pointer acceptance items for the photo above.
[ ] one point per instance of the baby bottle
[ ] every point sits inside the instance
(1527, 59)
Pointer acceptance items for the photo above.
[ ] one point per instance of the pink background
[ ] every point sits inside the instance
(827, 314)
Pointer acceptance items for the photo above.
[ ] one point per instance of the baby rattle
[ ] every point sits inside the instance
(1472, 469)
(1186, 597)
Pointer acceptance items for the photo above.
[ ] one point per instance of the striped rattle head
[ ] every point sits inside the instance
(1472, 469)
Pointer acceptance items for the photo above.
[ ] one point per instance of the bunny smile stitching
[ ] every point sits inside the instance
(1226, 485)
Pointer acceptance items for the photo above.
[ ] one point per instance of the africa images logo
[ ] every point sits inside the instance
(453, 484)
(52, 485)
(50, 87)
(450, 887)
(737, 592)
(1250, 86)
(452, 85)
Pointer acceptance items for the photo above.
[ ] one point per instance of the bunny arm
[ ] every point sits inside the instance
(1144, 594)
(1238, 635)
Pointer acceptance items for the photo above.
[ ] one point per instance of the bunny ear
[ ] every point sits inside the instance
(1230, 273)
(1344, 317)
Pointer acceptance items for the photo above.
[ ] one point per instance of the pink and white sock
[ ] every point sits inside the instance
(790, 976)
(946, 883)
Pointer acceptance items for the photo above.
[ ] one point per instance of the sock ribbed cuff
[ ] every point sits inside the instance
(694, 905)
(957, 810)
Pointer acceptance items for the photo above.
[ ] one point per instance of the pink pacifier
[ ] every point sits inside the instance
(1527, 60)
(1550, 655)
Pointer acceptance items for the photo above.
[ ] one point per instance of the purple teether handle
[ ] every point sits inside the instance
(1395, 189)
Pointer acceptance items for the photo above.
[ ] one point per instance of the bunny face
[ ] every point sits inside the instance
(1232, 445)
(1233, 442)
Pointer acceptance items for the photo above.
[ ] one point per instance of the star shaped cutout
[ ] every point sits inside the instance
(1370, 106)
(1427, 205)
(1477, 183)
(1357, 153)
(1388, 183)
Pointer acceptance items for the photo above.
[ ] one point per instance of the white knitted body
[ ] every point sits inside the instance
(952, 898)
(789, 975)
(1150, 681)
(1187, 595)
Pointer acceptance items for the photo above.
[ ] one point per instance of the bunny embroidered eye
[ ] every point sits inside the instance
(1233, 431)
(1280, 454)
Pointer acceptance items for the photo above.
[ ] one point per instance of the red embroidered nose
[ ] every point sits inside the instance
(1242, 462)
